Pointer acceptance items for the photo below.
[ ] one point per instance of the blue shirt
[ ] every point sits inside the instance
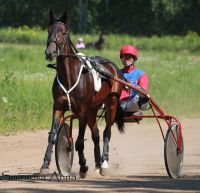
(132, 77)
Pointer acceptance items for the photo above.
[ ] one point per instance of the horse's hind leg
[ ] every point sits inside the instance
(79, 146)
(95, 137)
(57, 115)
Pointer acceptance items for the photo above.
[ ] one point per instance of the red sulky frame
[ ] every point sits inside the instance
(161, 115)
(173, 157)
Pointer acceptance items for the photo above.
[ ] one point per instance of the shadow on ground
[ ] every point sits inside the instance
(128, 184)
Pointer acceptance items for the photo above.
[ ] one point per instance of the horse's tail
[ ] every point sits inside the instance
(119, 118)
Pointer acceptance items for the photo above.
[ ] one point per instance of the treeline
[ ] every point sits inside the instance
(134, 17)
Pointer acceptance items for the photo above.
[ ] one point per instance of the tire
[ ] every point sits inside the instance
(64, 151)
(173, 158)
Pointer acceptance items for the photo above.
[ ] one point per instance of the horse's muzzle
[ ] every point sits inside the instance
(49, 55)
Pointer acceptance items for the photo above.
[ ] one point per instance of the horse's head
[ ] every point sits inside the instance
(57, 35)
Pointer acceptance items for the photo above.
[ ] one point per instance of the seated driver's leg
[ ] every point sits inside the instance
(143, 102)
(132, 106)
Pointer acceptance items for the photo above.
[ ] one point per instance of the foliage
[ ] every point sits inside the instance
(26, 35)
(172, 64)
(176, 17)
(25, 99)
(23, 34)
(134, 17)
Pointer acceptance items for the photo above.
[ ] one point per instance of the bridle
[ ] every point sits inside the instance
(59, 46)
(59, 51)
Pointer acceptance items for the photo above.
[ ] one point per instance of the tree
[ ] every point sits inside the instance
(136, 17)
(176, 16)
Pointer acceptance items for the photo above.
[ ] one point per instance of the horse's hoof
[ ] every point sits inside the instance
(83, 172)
(104, 168)
(82, 175)
(104, 172)
(44, 171)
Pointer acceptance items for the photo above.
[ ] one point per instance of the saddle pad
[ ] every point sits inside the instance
(95, 74)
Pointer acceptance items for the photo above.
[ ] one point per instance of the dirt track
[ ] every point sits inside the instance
(136, 162)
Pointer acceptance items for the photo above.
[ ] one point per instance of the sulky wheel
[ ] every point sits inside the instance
(64, 150)
(173, 157)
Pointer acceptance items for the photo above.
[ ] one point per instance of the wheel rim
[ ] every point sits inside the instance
(64, 151)
(173, 158)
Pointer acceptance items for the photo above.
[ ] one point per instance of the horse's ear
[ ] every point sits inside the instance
(51, 16)
(64, 17)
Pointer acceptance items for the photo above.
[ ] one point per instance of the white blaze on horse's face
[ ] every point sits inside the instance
(56, 40)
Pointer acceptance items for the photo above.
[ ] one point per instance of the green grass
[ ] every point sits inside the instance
(26, 101)
(174, 81)
(25, 82)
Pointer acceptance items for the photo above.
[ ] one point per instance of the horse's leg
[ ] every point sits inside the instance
(79, 146)
(57, 115)
(109, 118)
(95, 137)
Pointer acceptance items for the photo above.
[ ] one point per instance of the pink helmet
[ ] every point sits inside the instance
(128, 49)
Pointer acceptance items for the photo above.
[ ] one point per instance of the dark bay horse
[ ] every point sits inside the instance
(83, 100)
(99, 44)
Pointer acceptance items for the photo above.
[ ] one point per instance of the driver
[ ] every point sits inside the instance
(131, 100)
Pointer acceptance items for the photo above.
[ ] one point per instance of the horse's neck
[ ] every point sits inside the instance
(68, 68)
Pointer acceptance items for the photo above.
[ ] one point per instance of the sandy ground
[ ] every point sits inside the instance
(136, 162)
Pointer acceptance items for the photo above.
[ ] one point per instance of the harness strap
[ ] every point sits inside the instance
(67, 92)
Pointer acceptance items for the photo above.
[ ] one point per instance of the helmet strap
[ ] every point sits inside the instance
(131, 64)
